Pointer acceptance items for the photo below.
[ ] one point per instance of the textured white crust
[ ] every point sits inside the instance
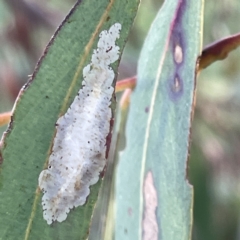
(78, 153)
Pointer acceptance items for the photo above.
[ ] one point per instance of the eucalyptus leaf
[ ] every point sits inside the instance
(153, 197)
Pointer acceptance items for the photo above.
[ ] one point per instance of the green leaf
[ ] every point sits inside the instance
(153, 196)
(27, 142)
(102, 226)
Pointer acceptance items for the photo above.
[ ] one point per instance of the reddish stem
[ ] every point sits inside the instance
(126, 83)
(5, 118)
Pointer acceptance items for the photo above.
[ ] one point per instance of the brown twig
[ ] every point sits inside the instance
(218, 50)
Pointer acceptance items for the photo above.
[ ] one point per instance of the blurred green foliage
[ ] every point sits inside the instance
(25, 29)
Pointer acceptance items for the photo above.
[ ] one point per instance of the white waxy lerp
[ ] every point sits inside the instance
(79, 148)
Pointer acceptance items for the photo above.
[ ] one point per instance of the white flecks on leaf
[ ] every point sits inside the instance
(78, 152)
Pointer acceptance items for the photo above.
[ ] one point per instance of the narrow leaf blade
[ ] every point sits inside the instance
(153, 195)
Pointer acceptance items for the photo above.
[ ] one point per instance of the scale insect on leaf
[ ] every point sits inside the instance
(79, 147)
